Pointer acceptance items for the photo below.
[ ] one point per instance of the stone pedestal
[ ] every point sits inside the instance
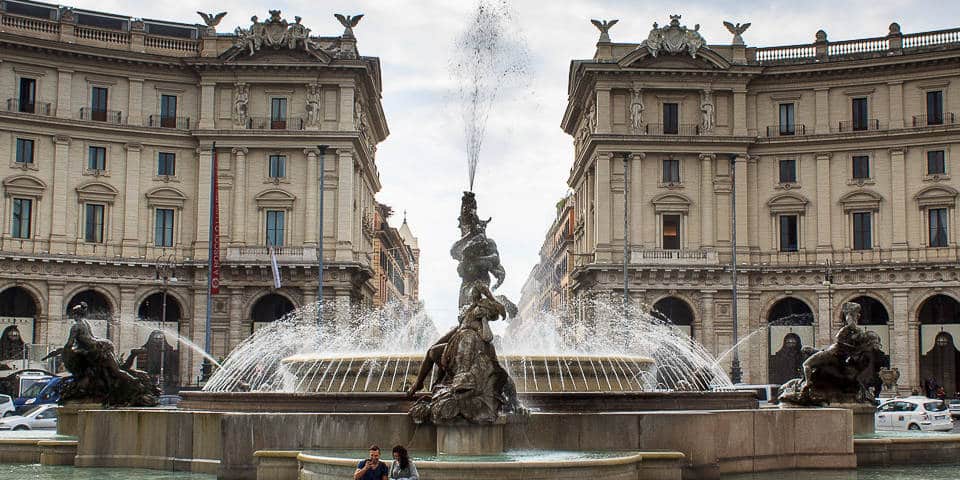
(68, 417)
(863, 417)
(466, 439)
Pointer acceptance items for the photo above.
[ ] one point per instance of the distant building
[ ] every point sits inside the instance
(843, 157)
(547, 286)
(109, 124)
(397, 273)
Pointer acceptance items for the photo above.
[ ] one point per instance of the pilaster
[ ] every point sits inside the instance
(823, 334)
(903, 355)
(743, 208)
(822, 105)
(604, 114)
(708, 337)
(896, 104)
(346, 114)
(740, 112)
(824, 244)
(64, 93)
(603, 208)
(707, 214)
(898, 202)
(239, 222)
(311, 196)
(636, 201)
(345, 207)
(235, 336)
(135, 102)
(131, 201)
(55, 330)
(208, 92)
(128, 310)
(205, 159)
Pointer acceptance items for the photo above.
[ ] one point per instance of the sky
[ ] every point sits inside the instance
(525, 157)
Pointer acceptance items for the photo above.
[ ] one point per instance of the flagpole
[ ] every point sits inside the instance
(205, 369)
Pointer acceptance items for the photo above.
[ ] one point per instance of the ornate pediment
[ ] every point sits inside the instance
(674, 39)
(671, 202)
(24, 185)
(165, 197)
(937, 196)
(275, 198)
(97, 192)
(787, 203)
(861, 200)
(277, 34)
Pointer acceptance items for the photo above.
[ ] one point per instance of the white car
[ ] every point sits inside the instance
(38, 418)
(6, 406)
(914, 413)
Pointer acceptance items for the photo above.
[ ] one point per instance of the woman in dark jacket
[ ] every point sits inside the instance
(403, 468)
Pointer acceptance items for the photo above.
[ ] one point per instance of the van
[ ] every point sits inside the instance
(39, 393)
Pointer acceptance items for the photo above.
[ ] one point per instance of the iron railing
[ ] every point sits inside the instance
(38, 108)
(925, 120)
(161, 121)
(667, 129)
(853, 126)
(786, 130)
(270, 123)
(97, 115)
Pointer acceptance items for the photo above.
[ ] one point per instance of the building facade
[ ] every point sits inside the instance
(547, 287)
(110, 128)
(397, 270)
(831, 164)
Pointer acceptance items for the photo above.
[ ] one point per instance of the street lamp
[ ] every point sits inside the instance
(828, 282)
(321, 184)
(736, 373)
(164, 266)
(626, 230)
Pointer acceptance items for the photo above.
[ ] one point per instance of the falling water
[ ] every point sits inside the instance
(490, 56)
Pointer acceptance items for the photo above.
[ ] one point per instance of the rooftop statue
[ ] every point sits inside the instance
(275, 33)
(604, 27)
(348, 22)
(98, 375)
(674, 38)
(837, 374)
(737, 30)
(211, 21)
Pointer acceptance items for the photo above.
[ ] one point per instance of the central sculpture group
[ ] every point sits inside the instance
(471, 385)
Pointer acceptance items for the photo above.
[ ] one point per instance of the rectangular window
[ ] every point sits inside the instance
(935, 107)
(671, 232)
(97, 159)
(168, 111)
(22, 215)
(28, 95)
(789, 233)
(861, 167)
(278, 166)
(935, 163)
(788, 171)
(163, 233)
(94, 225)
(166, 164)
(862, 231)
(98, 104)
(278, 113)
(671, 171)
(787, 121)
(860, 120)
(24, 151)
(938, 227)
(275, 228)
(671, 118)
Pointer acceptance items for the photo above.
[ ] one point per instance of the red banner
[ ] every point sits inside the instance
(215, 232)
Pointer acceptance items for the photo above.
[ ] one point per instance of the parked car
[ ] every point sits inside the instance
(6, 406)
(40, 393)
(765, 392)
(169, 400)
(41, 417)
(914, 413)
(954, 406)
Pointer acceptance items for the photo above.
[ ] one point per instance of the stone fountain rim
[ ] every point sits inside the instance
(303, 357)
(627, 458)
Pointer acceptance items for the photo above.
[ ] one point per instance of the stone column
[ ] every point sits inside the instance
(342, 307)
(740, 112)
(190, 364)
(901, 355)
(312, 192)
(898, 202)
(603, 208)
(708, 337)
(345, 207)
(822, 102)
(237, 315)
(896, 104)
(636, 201)
(743, 208)
(55, 330)
(824, 240)
(128, 312)
(747, 362)
(604, 117)
(707, 214)
(347, 92)
(203, 204)
(135, 102)
(208, 92)
(238, 225)
(60, 187)
(64, 93)
(131, 200)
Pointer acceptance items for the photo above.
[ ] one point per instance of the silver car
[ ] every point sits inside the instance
(6, 406)
(40, 417)
(954, 406)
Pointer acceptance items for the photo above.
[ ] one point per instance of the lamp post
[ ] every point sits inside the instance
(828, 282)
(736, 373)
(626, 231)
(165, 266)
(321, 184)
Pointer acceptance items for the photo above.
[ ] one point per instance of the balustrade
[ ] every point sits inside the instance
(39, 108)
(96, 115)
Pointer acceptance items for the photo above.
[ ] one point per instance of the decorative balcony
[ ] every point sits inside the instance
(689, 130)
(107, 116)
(261, 254)
(794, 130)
(823, 50)
(269, 123)
(37, 108)
(660, 256)
(925, 120)
(851, 126)
(159, 121)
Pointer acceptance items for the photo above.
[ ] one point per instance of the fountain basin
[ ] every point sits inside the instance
(512, 465)
(531, 373)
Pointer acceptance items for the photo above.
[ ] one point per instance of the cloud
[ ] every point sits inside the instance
(526, 157)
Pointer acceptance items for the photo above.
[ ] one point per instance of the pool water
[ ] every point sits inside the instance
(48, 472)
(508, 456)
(907, 472)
